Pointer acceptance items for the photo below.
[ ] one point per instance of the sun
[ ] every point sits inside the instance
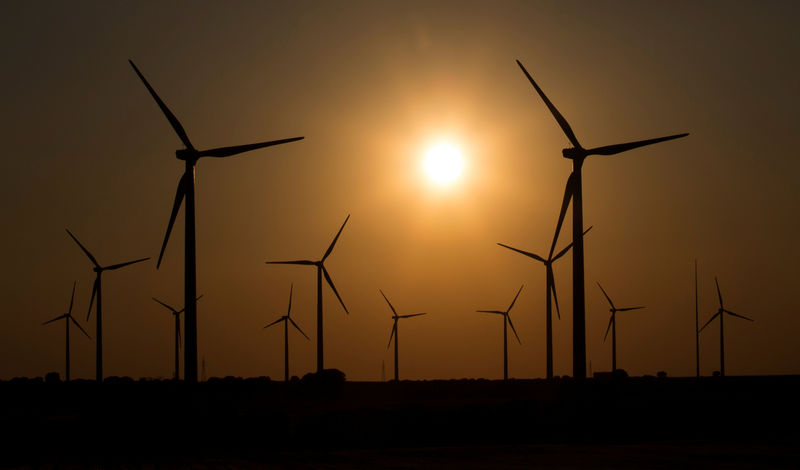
(443, 163)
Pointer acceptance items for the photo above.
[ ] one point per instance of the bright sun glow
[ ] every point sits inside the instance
(443, 163)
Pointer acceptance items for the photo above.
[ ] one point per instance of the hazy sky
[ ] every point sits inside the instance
(372, 85)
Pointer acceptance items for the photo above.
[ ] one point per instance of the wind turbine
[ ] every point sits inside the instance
(506, 321)
(612, 325)
(67, 317)
(320, 265)
(176, 314)
(98, 291)
(720, 313)
(578, 154)
(186, 190)
(550, 288)
(395, 333)
(286, 319)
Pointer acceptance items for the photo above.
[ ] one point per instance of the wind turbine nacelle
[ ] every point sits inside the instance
(185, 154)
(573, 153)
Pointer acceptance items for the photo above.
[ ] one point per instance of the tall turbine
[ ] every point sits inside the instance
(67, 318)
(320, 265)
(395, 333)
(578, 154)
(550, 289)
(720, 313)
(98, 291)
(696, 324)
(612, 325)
(506, 321)
(286, 319)
(189, 154)
(177, 315)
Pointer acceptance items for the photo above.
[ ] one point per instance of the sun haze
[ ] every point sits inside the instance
(443, 163)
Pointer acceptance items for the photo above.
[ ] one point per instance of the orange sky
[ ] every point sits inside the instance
(371, 87)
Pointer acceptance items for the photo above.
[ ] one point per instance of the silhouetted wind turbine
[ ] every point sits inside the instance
(98, 291)
(506, 321)
(186, 189)
(578, 154)
(395, 333)
(550, 288)
(612, 325)
(67, 317)
(720, 313)
(286, 319)
(320, 272)
(177, 315)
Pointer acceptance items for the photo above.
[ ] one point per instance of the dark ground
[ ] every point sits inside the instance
(731, 422)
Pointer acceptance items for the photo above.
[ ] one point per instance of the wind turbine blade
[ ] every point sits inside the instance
(237, 149)
(56, 319)
(515, 299)
(719, 294)
(607, 297)
(619, 148)
(122, 265)
(526, 253)
(298, 329)
(387, 301)
(551, 280)
(275, 322)
(561, 121)
(166, 306)
(569, 188)
(413, 315)
(330, 283)
(289, 309)
(566, 248)
(511, 323)
(72, 298)
(164, 109)
(179, 195)
(79, 327)
(394, 327)
(330, 248)
(610, 320)
(91, 300)
(499, 312)
(91, 258)
(710, 320)
(628, 308)
(302, 261)
(737, 315)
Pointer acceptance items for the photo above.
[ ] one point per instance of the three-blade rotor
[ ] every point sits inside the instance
(288, 317)
(722, 310)
(506, 313)
(613, 311)
(68, 316)
(577, 152)
(396, 317)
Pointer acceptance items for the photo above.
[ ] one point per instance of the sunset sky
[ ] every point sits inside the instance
(373, 86)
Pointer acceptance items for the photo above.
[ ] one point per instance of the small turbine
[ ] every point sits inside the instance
(68, 317)
(612, 325)
(177, 315)
(286, 319)
(395, 333)
(721, 314)
(506, 321)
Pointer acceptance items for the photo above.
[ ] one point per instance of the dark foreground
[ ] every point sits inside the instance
(734, 422)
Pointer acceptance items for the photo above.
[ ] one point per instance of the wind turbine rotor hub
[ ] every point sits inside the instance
(186, 154)
(573, 153)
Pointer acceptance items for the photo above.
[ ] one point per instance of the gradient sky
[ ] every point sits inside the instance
(372, 86)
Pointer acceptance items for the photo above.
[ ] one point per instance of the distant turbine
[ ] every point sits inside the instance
(395, 333)
(506, 321)
(286, 319)
(320, 272)
(720, 313)
(98, 291)
(612, 325)
(67, 317)
(550, 283)
(186, 189)
(176, 314)
(578, 154)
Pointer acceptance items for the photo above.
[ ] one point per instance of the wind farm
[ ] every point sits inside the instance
(420, 124)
